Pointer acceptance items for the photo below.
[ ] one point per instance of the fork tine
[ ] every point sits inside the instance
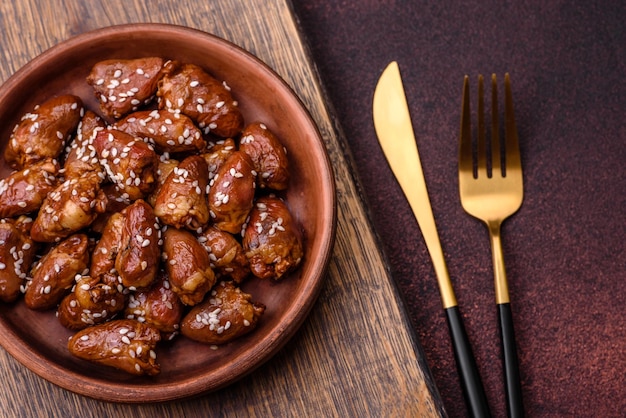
(496, 159)
(465, 144)
(512, 153)
(481, 145)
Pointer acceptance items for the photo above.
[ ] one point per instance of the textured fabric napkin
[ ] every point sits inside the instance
(564, 249)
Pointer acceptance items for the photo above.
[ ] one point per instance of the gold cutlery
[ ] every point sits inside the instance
(491, 189)
(393, 126)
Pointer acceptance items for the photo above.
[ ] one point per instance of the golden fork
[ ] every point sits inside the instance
(492, 191)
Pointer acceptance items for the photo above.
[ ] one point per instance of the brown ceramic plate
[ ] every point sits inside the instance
(188, 368)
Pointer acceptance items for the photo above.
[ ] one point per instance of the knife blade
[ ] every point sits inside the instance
(392, 122)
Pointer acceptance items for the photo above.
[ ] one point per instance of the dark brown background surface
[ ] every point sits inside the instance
(564, 249)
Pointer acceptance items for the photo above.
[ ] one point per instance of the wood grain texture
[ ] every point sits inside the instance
(356, 354)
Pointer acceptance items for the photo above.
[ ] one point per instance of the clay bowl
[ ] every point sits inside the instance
(39, 342)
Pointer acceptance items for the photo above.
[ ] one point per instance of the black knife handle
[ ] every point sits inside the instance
(471, 384)
(511, 366)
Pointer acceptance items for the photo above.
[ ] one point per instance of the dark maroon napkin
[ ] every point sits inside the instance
(564, 249)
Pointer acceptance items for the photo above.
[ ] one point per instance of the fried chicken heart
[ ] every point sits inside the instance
(192, 91)
(182, 201)
(124, 344)
(272, 239)
(226, 314)
(43, 132)
(129, 162)
(121, 86)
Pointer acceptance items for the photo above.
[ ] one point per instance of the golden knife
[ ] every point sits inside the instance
(392, 122)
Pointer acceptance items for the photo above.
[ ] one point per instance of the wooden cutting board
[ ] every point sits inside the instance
(356, 355)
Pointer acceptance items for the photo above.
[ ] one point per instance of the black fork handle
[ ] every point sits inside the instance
(511, 365)
(471, 384)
